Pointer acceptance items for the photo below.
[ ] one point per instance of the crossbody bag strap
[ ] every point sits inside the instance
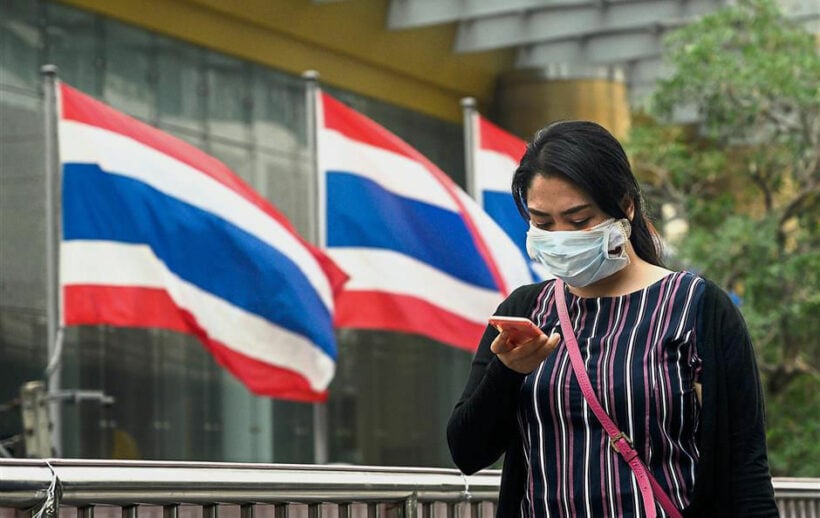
(620, 442)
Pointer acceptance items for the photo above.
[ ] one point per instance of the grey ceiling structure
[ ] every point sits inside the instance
(574, 38)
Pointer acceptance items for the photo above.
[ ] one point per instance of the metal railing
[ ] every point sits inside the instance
(126, 489)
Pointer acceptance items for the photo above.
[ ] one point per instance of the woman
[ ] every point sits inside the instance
(667, 354)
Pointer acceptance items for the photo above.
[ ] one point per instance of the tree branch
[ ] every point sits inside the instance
(810, 194)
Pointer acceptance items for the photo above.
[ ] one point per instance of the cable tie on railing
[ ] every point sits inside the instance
(51, 504)
(466, 493)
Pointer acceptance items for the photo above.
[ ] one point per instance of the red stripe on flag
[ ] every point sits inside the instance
(122, 306)
(130, 306)
(262, 378)
(496, 139)
(354, 125)
(405, 314)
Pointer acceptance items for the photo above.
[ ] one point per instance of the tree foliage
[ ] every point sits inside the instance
(746, 180)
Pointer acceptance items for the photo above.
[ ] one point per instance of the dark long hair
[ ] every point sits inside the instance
(589, 156)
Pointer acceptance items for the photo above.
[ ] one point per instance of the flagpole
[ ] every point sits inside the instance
(53, 208)
(468, 108)
(316, 233)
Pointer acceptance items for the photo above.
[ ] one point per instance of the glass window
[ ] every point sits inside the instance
(21, 44)
(22, 205)
(293, 432)
(22, 212)
(23, 353)
(181, 85)
(371, 419)
(74, 41)
(129, 78)
(228, 97)
(165, 390)
(247, 423)
(279, 116)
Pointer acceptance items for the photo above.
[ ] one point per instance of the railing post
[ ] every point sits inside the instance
(168, 511)
(246, 511)
(85, 512)
(314, 510)
(130, 511)
(208, 511)
(411, 504)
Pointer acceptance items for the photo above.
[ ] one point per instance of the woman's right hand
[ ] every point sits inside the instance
(526, 356)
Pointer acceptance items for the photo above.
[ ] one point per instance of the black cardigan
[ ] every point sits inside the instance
(732, 477)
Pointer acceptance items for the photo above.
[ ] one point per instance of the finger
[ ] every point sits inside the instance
(501, 344)
(526, 348)
(553, 341)
(536, 349)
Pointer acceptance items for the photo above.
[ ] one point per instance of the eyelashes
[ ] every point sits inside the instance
(578, 225)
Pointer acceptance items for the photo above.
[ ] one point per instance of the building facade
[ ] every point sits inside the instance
(232, 86)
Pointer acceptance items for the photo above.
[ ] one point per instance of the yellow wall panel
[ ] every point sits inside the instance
(347, 42)
(526, 103)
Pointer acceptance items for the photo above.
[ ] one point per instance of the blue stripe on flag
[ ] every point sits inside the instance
(197, 246)
(501, 207)
(360, 213)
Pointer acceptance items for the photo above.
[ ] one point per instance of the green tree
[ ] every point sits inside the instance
(746, 181)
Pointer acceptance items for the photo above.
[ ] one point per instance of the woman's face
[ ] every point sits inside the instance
(555, 203)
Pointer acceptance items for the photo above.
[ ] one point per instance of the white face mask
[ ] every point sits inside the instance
(581, 257)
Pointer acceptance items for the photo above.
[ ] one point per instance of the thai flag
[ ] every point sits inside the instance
(423, 258)
(496, 154)
(157, 233)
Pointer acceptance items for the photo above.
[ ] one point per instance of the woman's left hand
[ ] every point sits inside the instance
(527, 356)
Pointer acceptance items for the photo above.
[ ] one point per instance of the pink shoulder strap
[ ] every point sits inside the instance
(619, 441)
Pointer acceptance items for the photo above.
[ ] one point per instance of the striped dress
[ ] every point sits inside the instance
(639, 350)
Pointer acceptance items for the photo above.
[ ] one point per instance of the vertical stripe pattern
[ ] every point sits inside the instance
(640, 353)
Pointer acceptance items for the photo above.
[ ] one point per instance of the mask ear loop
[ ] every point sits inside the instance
(626, 225)
(624, 228)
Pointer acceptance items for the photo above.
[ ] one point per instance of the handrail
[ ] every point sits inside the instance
(24, 484)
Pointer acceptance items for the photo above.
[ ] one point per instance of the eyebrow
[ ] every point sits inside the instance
(568, 212)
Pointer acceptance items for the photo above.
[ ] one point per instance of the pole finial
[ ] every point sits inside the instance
(48, 70)
(468, 102)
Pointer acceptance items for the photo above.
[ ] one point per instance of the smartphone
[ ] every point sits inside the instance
(520, 329)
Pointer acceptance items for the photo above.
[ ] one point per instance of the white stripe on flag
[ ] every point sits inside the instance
(396, 173)
(388, 271)
(119, 264)
(494, 171)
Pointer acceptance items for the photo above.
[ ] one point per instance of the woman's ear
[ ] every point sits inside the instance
(628, 206)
